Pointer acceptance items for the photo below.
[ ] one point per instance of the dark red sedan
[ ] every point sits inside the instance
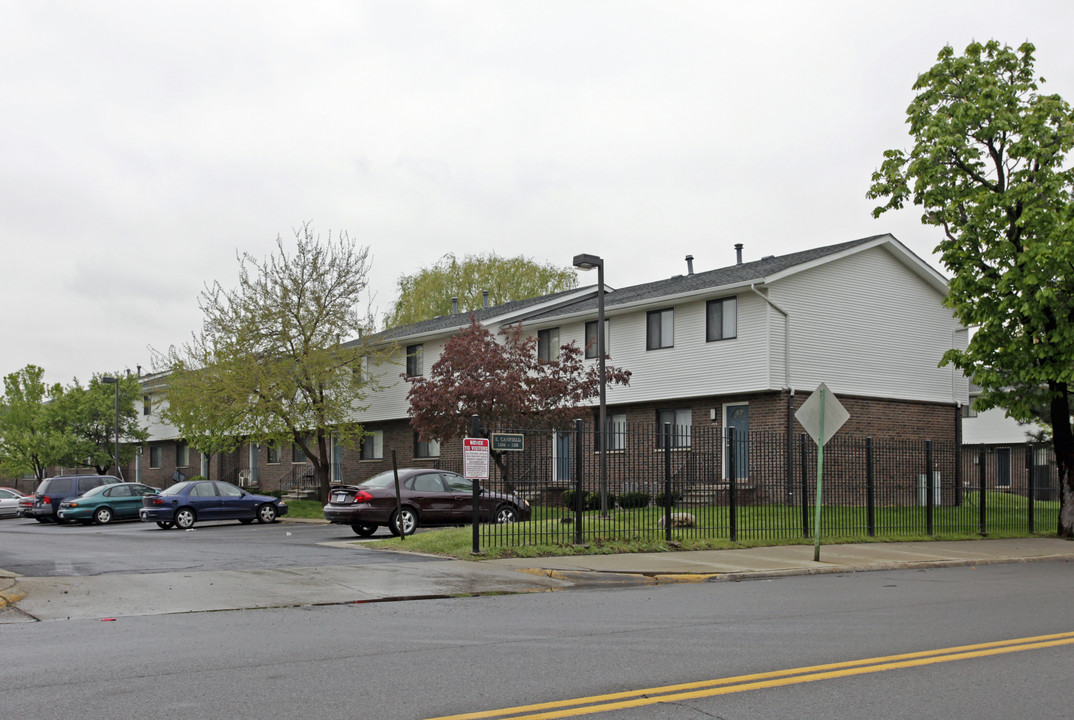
(428, 497)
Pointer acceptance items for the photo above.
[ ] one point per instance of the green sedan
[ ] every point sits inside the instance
(102, 505)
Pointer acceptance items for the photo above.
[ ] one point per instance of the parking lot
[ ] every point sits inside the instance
(35, 549)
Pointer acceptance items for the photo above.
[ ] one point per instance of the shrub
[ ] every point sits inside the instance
(591, 501)
(661, 499)
(630, 500)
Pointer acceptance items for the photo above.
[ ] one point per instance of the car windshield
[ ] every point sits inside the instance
(176, 488)
(380, 480)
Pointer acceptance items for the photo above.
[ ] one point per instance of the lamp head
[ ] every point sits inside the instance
(587, 262)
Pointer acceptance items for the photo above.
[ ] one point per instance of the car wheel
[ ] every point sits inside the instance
(103, 516)
(506, 514)
(164, 524)
(363, 529)
(404, 522)
(185, 518)
(266, 513)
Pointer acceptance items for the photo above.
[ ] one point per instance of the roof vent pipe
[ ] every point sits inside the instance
(738, 253)
(689, 264)
(484, 298)
(454, 306)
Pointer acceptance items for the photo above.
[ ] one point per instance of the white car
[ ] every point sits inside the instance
(9, 502)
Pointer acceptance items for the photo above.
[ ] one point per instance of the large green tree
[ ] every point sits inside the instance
(31, 439)
(279, 359)
(989, 167)
(429, 292)
(88, 416)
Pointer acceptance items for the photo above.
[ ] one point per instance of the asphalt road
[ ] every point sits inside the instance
(48, 550)
(433, 658)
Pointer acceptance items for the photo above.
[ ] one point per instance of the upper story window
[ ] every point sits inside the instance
(147, 404)
(591, 339)
(548, 344)
(721, 319)
(414, 360)
(660, 329)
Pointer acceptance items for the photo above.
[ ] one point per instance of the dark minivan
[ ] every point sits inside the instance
(54, 490)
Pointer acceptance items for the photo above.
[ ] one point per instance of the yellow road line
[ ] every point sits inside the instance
(776, 678)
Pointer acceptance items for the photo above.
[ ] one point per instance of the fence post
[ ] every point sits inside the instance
(667, 482)
(928, 487)
(982, 481)
(1031, 471)
(732, 476)
(805, 486)
(579, 499)
(870, 489)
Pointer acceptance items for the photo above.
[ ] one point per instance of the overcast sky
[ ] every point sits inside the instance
(145, 143)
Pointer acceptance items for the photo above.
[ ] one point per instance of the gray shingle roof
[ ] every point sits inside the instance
(731, 275)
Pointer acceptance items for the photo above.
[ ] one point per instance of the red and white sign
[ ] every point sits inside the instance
(475, 458)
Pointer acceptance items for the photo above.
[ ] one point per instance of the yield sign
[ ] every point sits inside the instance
(822, 415)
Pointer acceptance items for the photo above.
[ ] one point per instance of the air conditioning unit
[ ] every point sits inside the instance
(244, 478)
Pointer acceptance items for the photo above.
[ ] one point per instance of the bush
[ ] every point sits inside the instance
(661, 499)
(591, 501)
(630, 500)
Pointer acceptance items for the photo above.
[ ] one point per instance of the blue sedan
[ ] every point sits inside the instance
(186, 503)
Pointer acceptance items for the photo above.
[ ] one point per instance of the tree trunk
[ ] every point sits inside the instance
(1063, 441)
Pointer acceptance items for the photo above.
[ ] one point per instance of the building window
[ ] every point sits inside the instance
(426, 449)
(681, 424)
(273, 451)
(968, 411)
(660, 329)
(721, 319)
(154, 456)
(182, 454)
(373, 445)
(147, 405)
(414, 360)
(298, 455)
(616, 433)
(591, 339)
(548, 345)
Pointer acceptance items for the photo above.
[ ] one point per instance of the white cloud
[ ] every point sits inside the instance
(146, 143)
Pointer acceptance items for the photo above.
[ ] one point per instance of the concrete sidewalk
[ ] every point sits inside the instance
(25, 599)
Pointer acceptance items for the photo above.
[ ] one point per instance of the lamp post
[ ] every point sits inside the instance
(588, 262)
(114, 382)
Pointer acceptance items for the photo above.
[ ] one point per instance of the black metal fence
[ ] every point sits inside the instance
(676, 483)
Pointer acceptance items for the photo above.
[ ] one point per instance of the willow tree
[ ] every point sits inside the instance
(279, 359)
(989, 167)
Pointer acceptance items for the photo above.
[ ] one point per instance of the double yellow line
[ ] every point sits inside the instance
(743, 683)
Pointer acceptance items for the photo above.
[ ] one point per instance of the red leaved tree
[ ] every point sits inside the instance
(504, 384)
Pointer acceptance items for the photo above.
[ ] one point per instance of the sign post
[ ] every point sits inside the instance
(475, 466)
(821, 415)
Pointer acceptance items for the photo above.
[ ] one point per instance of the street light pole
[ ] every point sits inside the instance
(588, 262)
(114, 382)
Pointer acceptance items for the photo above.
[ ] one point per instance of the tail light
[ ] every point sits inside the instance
(46, 500)
(361, 496)
(157, 501)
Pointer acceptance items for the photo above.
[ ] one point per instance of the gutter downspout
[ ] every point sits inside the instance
(789, 464)
(786, 334)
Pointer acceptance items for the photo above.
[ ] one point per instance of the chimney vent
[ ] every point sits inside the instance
(689, 264)
(738, 253)
(484, 298)
(454, 306)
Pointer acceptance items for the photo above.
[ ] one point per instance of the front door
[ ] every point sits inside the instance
(737, 418)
